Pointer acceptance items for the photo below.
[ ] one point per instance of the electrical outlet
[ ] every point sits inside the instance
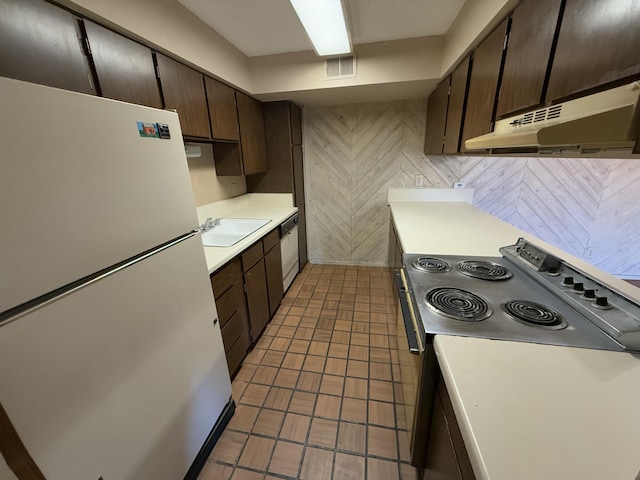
(458, 185)
(419, 180)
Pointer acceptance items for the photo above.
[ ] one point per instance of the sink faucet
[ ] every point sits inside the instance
(209, 223)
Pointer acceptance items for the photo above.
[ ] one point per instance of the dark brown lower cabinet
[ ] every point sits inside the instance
(447, 457)
(228, 290)
(255, 280)
(273, 267)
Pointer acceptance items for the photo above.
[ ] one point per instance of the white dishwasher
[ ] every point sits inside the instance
(289, 250)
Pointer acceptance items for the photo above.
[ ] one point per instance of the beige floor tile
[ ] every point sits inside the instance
(317, 464)
(319, 348)
(357, 368)
(403, 446)
(408, 472)
(264, 375)
(306, 329)
(381, 442)
(379, 355)
(342, 325)
(293, 361)
(257, 453)
(328, 406)
(352, 437)
(255, 395)
(356, 388)
(215, 471)
(299, 346)
(340, 337)
(313, 363)
(243, 418)
(338, 350)
(286, 378)
(286, 332)
(228, 447)
(309, 381)
(246, 371)
(349, 467)
(278, 398)
(360, 339)
(381, 413)
(379, 390)
(272, 358)
(238, 387)
(268, 422)
(286, 459)
(380, 371)
(242, 474)
(322, 335)
(335, 366)
(360, 327)
(332, 385)
(302, 402)
(381, 469)
(358, 352)
(354, 410)
(323, 433)
(295, 427)
(280, 344)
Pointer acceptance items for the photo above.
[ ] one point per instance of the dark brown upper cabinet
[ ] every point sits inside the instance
(483, 84)
(252, 137)
(437, 118)
(124, 68)
(455, 112)
(533, 27)
(222, 110)
(41, 43)
(183, 90)
(283, 129)
(598, 43)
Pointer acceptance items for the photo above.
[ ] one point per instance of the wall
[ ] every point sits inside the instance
(207, 186)
(355, 153)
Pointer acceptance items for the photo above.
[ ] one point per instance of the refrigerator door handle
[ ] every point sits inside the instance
(14, 313)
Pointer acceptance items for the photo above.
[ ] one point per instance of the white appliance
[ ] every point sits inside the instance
(111, 359)
(289, 250)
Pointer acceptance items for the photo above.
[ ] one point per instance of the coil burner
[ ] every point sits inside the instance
(458, 304)
(534, 314)
(431, 265)
(484, 270)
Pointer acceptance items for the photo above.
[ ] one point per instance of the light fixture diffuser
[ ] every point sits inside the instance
(325, 24)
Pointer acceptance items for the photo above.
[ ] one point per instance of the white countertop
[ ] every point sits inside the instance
(540, 412)
(528, 411)
(276, 207)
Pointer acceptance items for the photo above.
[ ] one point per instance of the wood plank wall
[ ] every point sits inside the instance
(355, 153)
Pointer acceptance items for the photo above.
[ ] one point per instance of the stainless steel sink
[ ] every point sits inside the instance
(231, 230)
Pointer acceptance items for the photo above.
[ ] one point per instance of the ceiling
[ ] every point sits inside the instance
(268, 27)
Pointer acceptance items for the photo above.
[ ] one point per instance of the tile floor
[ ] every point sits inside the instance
(319, 396)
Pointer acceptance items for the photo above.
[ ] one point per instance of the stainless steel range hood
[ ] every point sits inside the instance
(603, 121)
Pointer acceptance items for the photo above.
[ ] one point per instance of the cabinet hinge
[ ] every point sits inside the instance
(157, 72)
(244, 287)
(87, 45)
(506, 40)
(449, 91)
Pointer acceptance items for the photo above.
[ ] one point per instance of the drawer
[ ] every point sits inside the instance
(229, 303)
(252, 256)
(223, 279)
(270, 240)
(232, 331)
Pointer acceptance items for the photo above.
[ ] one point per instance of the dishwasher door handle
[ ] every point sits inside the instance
(412, 337)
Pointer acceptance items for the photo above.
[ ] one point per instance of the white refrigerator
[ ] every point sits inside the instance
(111, 358)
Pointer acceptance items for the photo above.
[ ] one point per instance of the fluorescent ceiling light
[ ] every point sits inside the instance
(324, 22)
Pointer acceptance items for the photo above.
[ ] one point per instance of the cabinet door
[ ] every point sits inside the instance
(457, 100)
(41, 44)
(436, 118)
(533, 27)
(273, 265)
(483, 84)
(257, 298)
(125, 68)
(252, 138)
(299, 195)
(598, 43)
(222, 110)
(183, 90)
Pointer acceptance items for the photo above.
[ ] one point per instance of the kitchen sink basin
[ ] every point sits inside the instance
(231, 231)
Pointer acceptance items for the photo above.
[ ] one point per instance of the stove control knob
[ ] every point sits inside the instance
(602, 302)
(589, 294)
(578, 287)
(567, 282)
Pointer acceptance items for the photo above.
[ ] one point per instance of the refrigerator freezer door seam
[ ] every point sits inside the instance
(14, 313)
